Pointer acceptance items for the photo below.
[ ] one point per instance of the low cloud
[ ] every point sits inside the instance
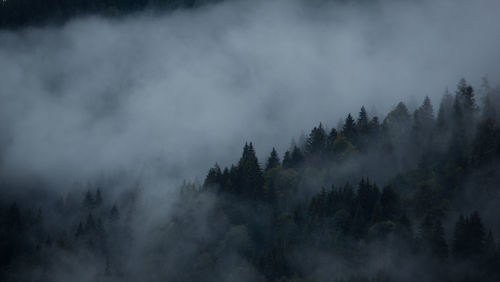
(168, 95)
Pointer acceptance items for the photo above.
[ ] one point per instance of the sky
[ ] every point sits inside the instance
(168, 95)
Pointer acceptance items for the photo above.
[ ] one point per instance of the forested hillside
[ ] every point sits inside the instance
(411, 196)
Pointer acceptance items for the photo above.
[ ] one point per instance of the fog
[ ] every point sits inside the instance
(170, 94)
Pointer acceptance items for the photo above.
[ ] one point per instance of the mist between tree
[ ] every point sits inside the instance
(102, 119)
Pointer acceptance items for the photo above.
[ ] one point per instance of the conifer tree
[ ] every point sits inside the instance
(466, 98)
(213, 177)
(397, 121)
(297, 156)
(287, 160)
(460, 238)
(330, 139)
(486, 144)
(445, 113)
(251, 179)
(437, 242)
(273, 160)
(477, 233)
(390, 203)
(368, 196)
(349, 129)
(98, 198)
(362, 122)
(469, 236)
(114, 214)
(423, 120)
(316, 142)
(88, 200)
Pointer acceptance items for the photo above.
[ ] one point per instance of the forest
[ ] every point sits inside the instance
(235, 140)
(412, 196)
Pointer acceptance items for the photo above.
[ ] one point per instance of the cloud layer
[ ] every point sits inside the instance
(176, 92)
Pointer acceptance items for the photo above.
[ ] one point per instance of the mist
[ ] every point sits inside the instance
(170, 94)
(109, 125)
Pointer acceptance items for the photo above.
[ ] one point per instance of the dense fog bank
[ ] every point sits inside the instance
(179, 90)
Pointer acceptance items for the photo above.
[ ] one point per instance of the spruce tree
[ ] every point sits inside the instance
(349, 129)
(330, 139)
(88, 200)
(251, 179)
(316, 142)
(362, 122)
(397, 122)
(273, 160)
(437, 242)
(287, 160)
(297, 156)
(445, 113)
(390, 202)
(98, 198)
(213, 177)
(114, 214)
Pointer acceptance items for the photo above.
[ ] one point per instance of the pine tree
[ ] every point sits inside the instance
(251, 179)
(465, 110)
(368, 196)
(114, 215)
(98, 198)
(445, 113)
(477, 233)
(374, 127)
(316, 142)
(390, 201)
(362, 123)
(362, 130)
(423, 127)
(349, 129)
(397, 122)
(486, 144)
(330, 139)
(469, 236)
(460, 238)
(297, 156)
(273, 160)
(425, 228)
(466, 98)
(213, 177)
(437, 242)
(88, 200)
(423, 120)
(489, 110)
(287, 160)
